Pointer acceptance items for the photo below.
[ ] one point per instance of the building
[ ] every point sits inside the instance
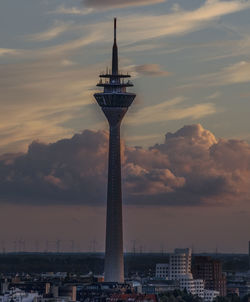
(101, 291)
(114, 101)
(4, 286)
(133, 297)
(210, 295)
(199, 287)
(155, 286)
(210, 270)
(180, 263)
(233, 291)
(240, 286)
(19, 295)
(179, 269)
(162, 270)
(191, 285)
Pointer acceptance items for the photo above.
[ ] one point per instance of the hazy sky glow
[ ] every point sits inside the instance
(190, 65)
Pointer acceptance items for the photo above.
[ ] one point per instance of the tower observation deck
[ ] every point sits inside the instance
(114, 101)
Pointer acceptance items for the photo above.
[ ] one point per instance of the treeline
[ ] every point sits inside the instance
(184, 296)
(178, 296)
(233, 298)
(143, 264)
(38, 263)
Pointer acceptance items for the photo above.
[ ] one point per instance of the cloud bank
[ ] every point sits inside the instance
(191, 167)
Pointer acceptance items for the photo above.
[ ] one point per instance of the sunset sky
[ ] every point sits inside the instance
(186, 138)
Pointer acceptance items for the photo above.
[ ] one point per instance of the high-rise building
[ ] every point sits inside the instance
(114, 101)
(180, 263)
(210, 270)
(179, 269)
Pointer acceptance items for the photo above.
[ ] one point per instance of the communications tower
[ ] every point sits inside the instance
(114, 101)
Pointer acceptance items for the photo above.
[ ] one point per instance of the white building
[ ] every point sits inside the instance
(162, 270)
(18, 295)
(210, 295)
(199, 285)
(186, 282)
(180, 263)
(192, 286)
(179, 268)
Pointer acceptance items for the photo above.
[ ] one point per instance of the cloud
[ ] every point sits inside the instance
(236, 73)
(68, 47)
(171, 110)
(142, 27)
(92, 6)
(133, 29)
(43, 92)
(67, 62)
(62, 9)
(178, 22)
(233, 74)
(192, 167)
(34, 103)
(237, 47)
(119, 3)
(150, 70)
(140, 138)
(8, 51)
(58, 29)
(56, 50)
(214, 95)
(67, 167)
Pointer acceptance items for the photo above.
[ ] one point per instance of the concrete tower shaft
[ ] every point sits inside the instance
(114, 264)
(114, 101)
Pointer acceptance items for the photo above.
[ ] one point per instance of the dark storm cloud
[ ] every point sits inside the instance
(68, 171)
(191, 167)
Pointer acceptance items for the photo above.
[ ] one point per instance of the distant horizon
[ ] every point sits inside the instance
(125, 253)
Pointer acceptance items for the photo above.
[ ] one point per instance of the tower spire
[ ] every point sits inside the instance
(115, 53)
(114, 30)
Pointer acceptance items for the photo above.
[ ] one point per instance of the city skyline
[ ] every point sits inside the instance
(186, 160)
